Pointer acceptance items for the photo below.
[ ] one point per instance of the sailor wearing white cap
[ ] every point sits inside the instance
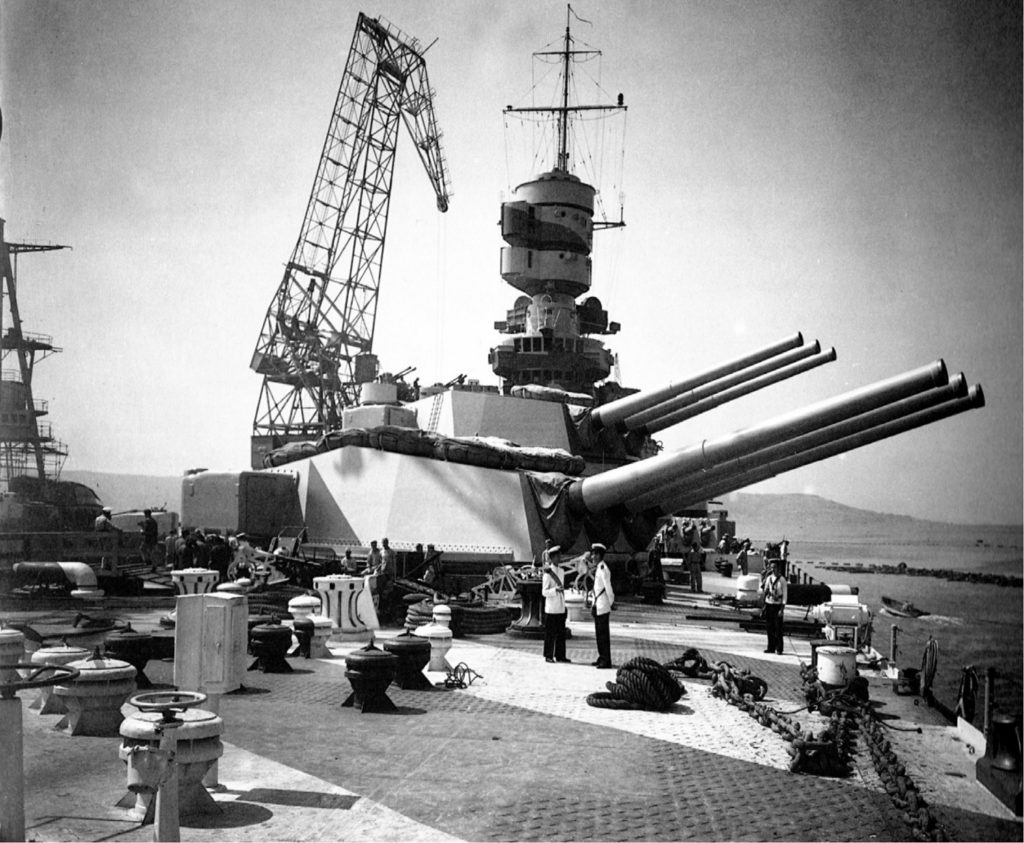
(554, 607)
(604, 597)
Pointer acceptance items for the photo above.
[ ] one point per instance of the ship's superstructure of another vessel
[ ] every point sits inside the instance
(28, 444)
(558, 453)
(32, 496)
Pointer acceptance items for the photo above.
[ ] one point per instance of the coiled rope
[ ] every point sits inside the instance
(640, 683)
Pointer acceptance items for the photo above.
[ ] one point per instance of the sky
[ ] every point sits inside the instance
(849, 171)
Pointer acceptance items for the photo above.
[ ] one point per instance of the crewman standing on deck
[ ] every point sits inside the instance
(150, 538)
(553, 592)
(386, 572)
(373, 558)
(604, 597)
(694, 556)
(775, 596)
(103, 524)
(742, 558)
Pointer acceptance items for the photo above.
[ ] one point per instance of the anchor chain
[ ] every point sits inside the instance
(898, 785)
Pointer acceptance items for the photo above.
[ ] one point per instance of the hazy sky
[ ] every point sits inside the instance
(848, 170)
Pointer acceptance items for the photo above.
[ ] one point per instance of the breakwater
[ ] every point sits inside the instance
(950, 574)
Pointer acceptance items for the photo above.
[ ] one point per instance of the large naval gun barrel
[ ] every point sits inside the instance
(614, 413)
(831, 440)
(615, 487)
(700, 400)
(730, 481)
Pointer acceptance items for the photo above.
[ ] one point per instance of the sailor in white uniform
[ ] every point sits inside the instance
(553, 592)
(604, 597)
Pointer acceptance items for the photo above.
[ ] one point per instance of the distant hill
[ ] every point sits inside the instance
(812, 518)
(759, 517)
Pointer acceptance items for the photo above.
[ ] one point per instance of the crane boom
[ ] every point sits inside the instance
(315, 347)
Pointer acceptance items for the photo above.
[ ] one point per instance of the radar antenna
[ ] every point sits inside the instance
(315, 348)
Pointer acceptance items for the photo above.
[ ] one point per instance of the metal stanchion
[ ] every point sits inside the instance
(14, 678)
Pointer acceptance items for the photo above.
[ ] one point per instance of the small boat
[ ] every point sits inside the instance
(902, 609)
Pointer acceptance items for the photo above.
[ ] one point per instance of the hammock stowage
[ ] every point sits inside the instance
(640, 683)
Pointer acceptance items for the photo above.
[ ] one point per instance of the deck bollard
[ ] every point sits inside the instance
(440, 638)
(370, 672)
(413, 653)
(442, 615)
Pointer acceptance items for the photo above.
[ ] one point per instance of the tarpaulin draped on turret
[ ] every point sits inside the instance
(550, 517)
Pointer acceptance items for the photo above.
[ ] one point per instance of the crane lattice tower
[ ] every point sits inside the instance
(316, 345)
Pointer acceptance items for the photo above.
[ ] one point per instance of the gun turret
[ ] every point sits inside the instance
(617, 486)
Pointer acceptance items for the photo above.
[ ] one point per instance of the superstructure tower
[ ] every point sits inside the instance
(549, 227)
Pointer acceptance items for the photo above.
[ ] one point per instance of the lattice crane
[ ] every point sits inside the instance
(315, 348)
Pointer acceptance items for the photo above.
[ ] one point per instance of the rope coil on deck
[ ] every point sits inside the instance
(640, 683)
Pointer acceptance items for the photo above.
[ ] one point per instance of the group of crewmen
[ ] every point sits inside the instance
(553, 592)
(232, 557)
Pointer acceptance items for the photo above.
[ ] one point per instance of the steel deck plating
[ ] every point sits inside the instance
(519, 755)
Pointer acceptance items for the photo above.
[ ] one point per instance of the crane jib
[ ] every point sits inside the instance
(385, 80)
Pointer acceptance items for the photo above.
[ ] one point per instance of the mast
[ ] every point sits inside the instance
(563, 112)
(563, 117)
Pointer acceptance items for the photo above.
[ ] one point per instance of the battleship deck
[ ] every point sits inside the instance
(520, 755)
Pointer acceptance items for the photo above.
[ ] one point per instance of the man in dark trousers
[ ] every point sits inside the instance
(150, 538)
(604, 597)
(775, 594)
(553, 592)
